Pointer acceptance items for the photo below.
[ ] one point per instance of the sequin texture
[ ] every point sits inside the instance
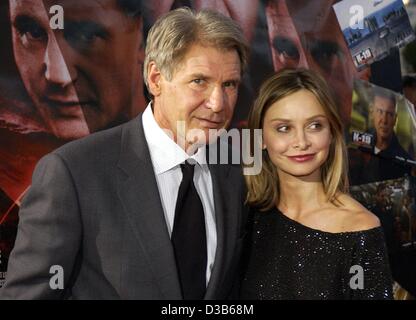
(287, 260)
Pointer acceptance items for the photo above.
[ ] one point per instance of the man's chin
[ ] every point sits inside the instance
(70, 130)
(385, 135)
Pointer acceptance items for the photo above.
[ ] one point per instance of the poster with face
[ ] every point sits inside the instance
(70, 68)
(382, 130)
(383, 124)
(372, 28)
(74, 67)
(306, 34)
(381, 140)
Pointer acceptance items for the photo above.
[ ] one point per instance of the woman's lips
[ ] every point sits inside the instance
(302, 158)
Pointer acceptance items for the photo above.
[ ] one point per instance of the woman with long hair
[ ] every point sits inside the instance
(309, 238)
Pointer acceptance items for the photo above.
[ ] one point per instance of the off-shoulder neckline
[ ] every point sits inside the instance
(310, 229)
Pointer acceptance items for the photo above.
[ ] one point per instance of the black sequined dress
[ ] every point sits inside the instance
(287, 260)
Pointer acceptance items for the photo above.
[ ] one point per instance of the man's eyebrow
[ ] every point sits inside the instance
(320, 47)
(324, 42)
(23, 17)
(86, 26)
(285, 44)
(385, 111)
(24, 21)
(237, 78)
(199, 76)
(207, 77)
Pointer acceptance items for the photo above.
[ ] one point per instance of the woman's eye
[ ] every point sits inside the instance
(315, 126)
(282, 129)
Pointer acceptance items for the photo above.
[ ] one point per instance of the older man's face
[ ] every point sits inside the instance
(85, 77)
(201, 94)
(384, 116)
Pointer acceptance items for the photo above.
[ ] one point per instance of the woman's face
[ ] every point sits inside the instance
(297, 135)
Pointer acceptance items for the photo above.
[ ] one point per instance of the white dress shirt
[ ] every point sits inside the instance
(166, 158)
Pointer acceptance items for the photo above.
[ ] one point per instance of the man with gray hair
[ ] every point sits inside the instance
(388, 156)
(386, 143)
(137, 212)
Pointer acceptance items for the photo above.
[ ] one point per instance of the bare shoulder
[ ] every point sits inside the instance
(355, 217)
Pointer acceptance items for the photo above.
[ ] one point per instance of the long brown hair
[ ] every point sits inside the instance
(263, 188)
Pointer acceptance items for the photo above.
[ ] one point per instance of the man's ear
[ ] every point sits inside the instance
(153, 78)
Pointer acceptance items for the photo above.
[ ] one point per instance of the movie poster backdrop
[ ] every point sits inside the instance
(69, 68)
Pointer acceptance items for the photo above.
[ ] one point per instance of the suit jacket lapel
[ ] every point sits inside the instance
(224, 219)
(139, 194)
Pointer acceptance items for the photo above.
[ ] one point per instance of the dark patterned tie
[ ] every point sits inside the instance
(189, 237)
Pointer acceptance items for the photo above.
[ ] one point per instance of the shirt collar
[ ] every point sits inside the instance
(164, 152)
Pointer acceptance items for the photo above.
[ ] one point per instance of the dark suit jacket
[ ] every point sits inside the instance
(382, 166)
(94, 209)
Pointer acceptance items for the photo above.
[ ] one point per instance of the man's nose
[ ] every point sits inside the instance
(216, 99)
(304, 60)
(56, 70)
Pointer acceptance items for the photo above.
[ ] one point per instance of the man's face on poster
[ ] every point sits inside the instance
(245, 12)
(384, 116)
(287, 50)
(306, 34)
(85, 77)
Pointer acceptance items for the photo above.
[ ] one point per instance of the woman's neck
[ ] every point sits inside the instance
(300, 195)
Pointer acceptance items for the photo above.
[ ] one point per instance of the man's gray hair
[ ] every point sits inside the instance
(173, 34)
(385, 94)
